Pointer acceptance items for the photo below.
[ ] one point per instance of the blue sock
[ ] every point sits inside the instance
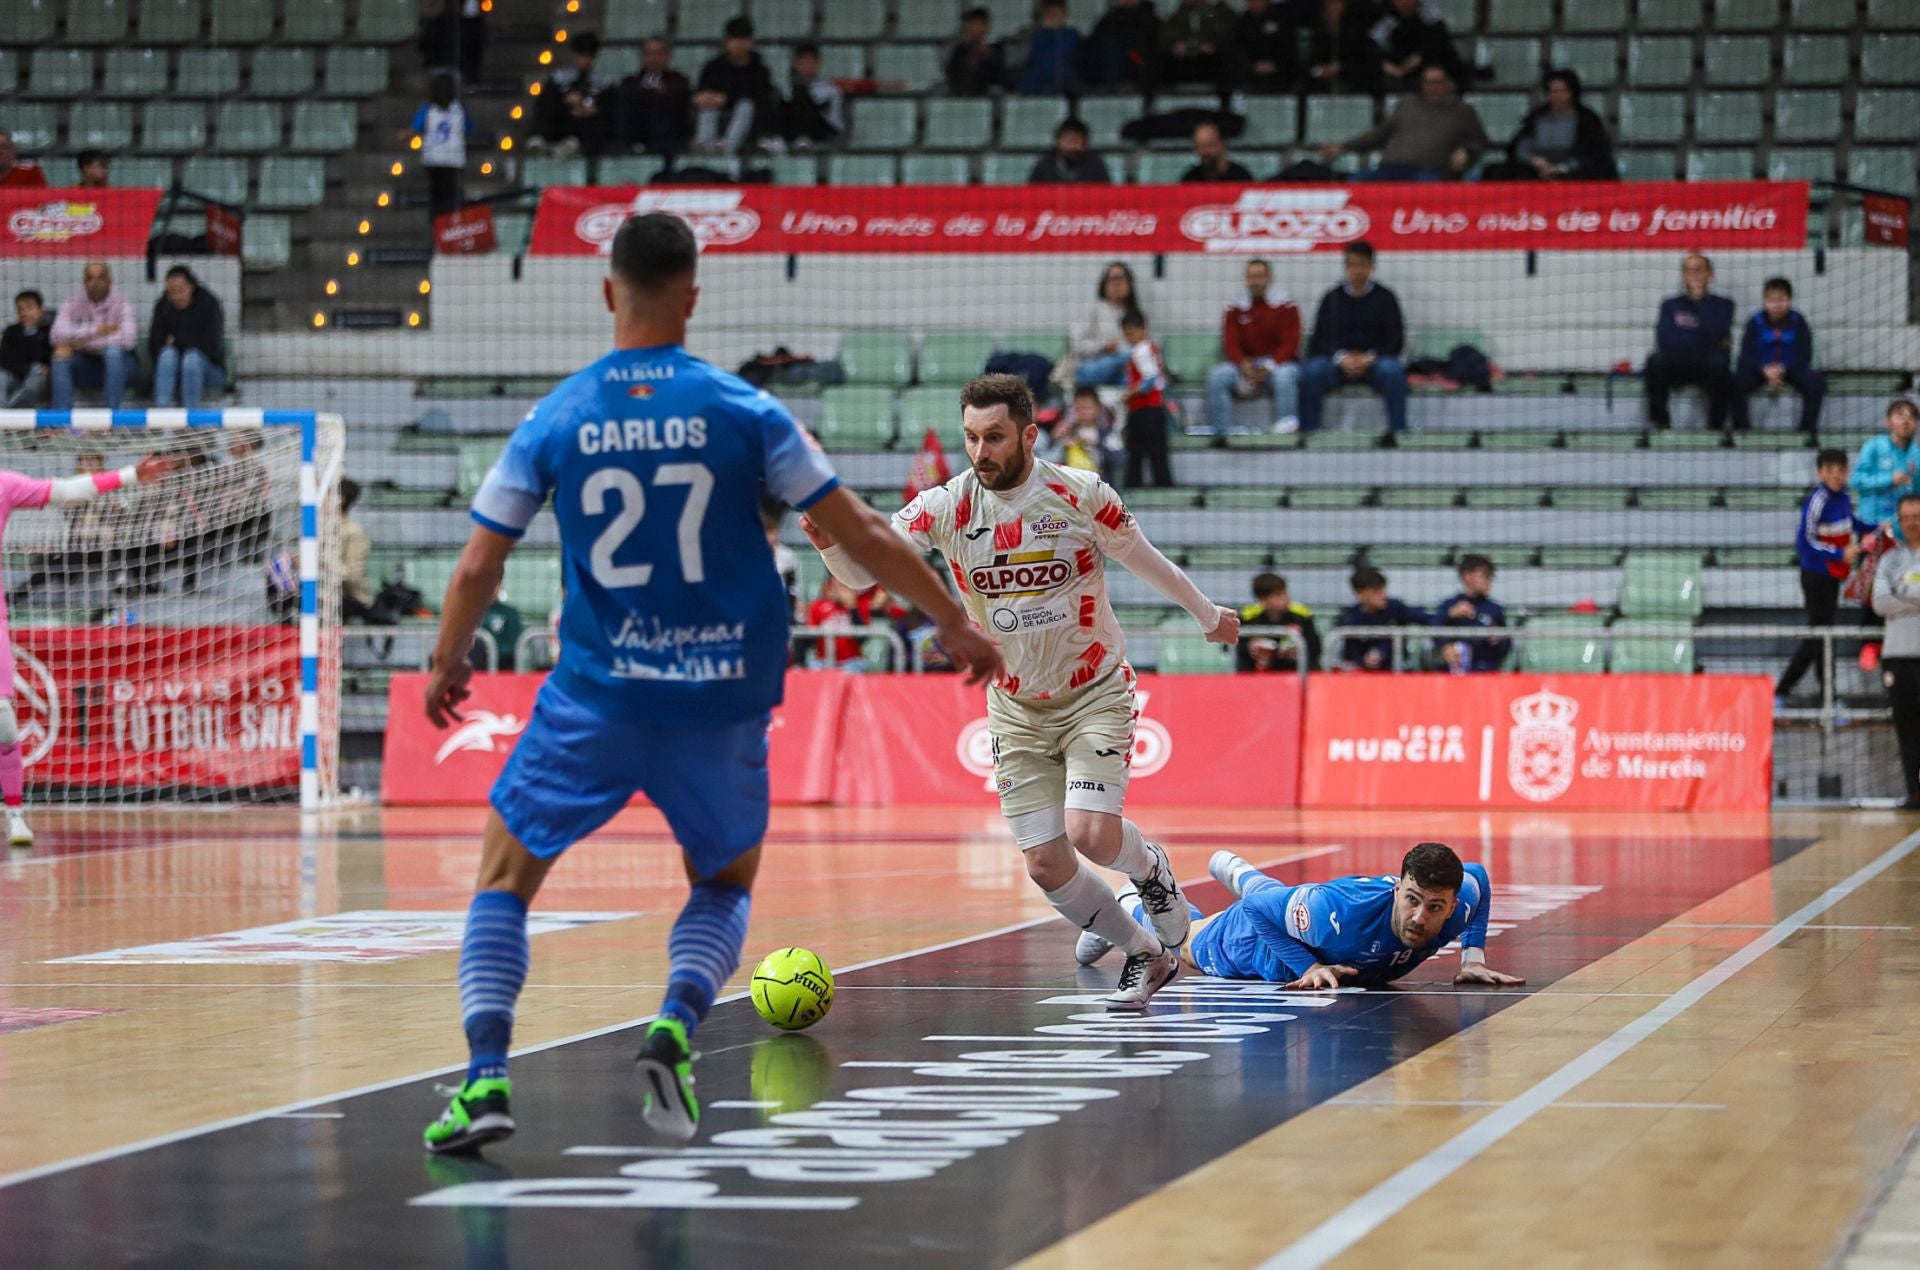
(493, 967)
(704, 949)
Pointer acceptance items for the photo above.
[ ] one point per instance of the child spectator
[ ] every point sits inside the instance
(1274, 606)
(735, 99)
(1827, 550)
(1083, 436)
(1053, 54)
(975, 64)
(96, 169)
(574, 111)
(814, 112)
(1691, 339)
(26, 353)
(1778, 349)
(1373, 607)
(443, 126)
(1147, 419)
(1473, 606)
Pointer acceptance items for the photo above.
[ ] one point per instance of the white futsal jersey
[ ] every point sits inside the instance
(1031, 566)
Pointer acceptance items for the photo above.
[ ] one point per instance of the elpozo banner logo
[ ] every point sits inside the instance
(1276, 220)
(715, 216)
(57, 221)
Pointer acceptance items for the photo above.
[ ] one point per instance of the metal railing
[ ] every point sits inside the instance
(549, 642)
(430, 631)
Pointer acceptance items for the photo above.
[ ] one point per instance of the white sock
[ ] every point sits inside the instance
(1134, 860)
(1087, 903)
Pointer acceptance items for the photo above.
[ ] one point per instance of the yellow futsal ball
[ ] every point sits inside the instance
(792, 988)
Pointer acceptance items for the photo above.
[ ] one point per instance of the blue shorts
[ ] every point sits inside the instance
(573, 770)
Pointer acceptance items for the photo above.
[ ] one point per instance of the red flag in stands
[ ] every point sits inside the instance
(929, 466)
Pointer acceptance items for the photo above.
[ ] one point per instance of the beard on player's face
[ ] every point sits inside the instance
(1001, 470)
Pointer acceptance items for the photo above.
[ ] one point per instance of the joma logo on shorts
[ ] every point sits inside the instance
(1013, 579)
(1091, 786)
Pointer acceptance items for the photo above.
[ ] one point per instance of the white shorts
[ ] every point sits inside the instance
(1072, 753)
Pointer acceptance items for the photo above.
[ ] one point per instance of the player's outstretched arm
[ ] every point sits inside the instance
(90, 485)
(1146, 562)
(470, 591)
(864, 535)
(1473, 940)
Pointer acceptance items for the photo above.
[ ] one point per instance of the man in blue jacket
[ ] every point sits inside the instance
(1357, 338)
(1777, 349)
(1887, 466)
(1691, 341)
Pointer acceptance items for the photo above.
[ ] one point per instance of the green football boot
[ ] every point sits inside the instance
(665, 1064)
(477, 1115)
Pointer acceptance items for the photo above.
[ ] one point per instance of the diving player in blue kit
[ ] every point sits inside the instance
(1350, 932)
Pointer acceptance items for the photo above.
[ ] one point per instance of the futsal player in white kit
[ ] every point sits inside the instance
(1028, 542)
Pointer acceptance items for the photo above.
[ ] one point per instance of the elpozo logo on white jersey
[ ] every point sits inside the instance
(716, 217)
(1276, 220)
(478, 734)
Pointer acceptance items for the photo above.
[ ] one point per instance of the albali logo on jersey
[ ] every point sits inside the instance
(1277, 220)
(716, 217)
(1152, 745)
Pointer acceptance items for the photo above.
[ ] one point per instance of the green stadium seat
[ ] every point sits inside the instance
(1892, 15)
(1800, 165)
(97, 21)
(1438, 341)
(953, 357)
(1184, 651)
(266, 241)
(61, 72)
(957, 123)
(1002, 168)
(783, 19)
(1594, 58)
(1660, 61)
(512, 231)
(171, 21)
(9, 71)
(795, 169)
(1886, 114)
(542, 170)
(928, 406)
(1027, 123)
(248, 23)
(1423, 498)
(1105, 116)
(1669, 15)
(278, 72)
(1161, 168)
(1676, 498)
(1331, 119)
(247, 127)
(428, 572)
(1436, 440)
(934, 169)
(1721, 165)
(1243, 498)
(1505, 497)
(1189, 355)
(1514, 63)
(533, 584)
(1271, 121)
(915, 66)
(1049, 343)
(472, 463)
(617, 61)
(1324, 498)
(1313, 556)
(1652, 117)
(1519, 17)
(392, 21)
(100, 125)
(1225, 556)
(629, 169)
(1411, 556)
(1589, 498)
(1888, 170)
(1728, 117)
(30, 21)
(1500, 113)
(1648, 165)
(1596, 15)
(1562, 654)
(355, 72)
(132, 72)
(861, 169)
(844, 61)
(174, 127)
(291, 184)
(929, 20)
(1807, 114)
(1552, 557)
(325, 127)
(1739, 61)
(1664, 585)
(134, 172)
(223, 180)
(876, 357)
(856, 417)
(315, 22)
(1649, 654)
(630, 21)
(1814, 59)
(1746, 15)
(1775, 557)
(882, 123)
(207, 73)
(1763, 499)
(862, 20)
(1889, 59)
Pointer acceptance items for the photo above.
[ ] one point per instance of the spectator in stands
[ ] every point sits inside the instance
(1273, 606)
(813, 112)
(26, 353)
(1213, 162)
(93, 339)
(735, 99)
(1559, 140)
(1473, 606)
(1410, 36)
(1896, 597)
(455, 39)
(1373, 607)
(1123, 45)
(1260, 340)
(1888, 465)
(1053, 53)
(351, 551)
(1431, 135)
(574, 111)
(1147, 418)
(1083, 437)
(186, 341)
(96, 170)
(15, 171)
(1357, 338)
(443, 127)
(773, 514)
(1196, 43)
(657, 103)
(975, 64)
(1776, 350)
(1340, 53)
(1267, 48)
(1691, 340)
(1827, 551)
(1099, 350)
(1070, 162)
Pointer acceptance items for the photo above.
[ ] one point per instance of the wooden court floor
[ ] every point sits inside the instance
(1715, 1062)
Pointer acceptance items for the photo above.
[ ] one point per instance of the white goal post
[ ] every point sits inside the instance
(178, 642)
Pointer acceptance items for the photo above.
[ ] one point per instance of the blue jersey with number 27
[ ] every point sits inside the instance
(656, 462)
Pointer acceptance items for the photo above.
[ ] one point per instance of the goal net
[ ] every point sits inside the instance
(178, 642)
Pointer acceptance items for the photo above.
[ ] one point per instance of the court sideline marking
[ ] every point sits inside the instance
(1339, 1233)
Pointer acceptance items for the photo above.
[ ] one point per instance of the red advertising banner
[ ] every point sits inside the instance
(223, 231)
(109, 707)
(1575, 742)
(1476, 216)
(76, 224)
(465, 231)
(424, 766)
(1886, 219)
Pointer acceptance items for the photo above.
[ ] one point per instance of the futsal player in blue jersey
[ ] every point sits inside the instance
(1350, 932)
(673, 640)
